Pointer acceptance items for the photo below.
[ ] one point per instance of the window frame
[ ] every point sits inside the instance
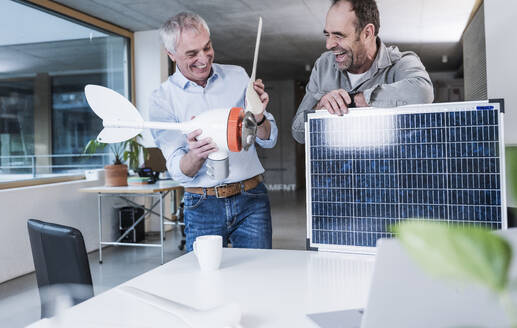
(79, 17)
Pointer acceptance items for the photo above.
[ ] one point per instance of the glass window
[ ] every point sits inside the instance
(45, 63)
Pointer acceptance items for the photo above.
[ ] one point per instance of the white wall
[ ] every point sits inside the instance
(60, 203)
(500, 31)
(151, 69)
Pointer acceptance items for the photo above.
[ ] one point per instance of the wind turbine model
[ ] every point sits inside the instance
(232, 129)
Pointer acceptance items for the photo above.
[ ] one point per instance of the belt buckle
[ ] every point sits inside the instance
(217, 190)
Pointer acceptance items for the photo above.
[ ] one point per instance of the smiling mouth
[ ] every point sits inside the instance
(340, 56)
(202, 66)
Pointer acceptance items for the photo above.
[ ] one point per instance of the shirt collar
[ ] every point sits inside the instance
(180, 80)
(216, 73)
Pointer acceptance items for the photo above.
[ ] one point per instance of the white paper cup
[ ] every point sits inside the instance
(209, 251)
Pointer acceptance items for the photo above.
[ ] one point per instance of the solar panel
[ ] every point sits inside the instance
(373, 168)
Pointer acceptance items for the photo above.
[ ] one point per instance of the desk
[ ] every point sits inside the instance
(275, 288)
(158, 190)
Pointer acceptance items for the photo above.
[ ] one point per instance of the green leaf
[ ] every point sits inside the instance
(458, 252)
(128, 150)
(511, 171)
(92, 146)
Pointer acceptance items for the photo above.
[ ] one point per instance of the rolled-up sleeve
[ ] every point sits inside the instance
(173, 144)
(273, 135)
(412, 85)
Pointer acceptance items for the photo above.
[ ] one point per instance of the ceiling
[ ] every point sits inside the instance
(292, 35)
(50, 28)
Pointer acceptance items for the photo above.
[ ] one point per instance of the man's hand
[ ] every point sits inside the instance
(360, 101)
(198, 152)
(337, 101)
(258, 86)
(264, 130)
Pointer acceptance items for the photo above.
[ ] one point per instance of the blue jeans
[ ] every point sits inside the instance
(243, 219)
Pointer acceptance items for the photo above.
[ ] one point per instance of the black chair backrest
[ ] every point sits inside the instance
(61, 263)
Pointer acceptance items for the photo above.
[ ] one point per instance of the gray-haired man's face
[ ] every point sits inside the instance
(194, 55)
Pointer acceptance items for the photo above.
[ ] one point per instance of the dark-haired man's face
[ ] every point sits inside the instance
(342, 38)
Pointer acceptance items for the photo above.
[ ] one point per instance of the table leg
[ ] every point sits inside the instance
(175, 197)
(161, 223)
(99, 205)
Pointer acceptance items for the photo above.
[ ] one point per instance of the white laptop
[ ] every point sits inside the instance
(404, 296)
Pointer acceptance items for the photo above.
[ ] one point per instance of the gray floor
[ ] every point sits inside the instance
(19, 298)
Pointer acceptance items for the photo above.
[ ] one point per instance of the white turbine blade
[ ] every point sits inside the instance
(113, 135)
(253, 103)
(257, 44)
(122, 120)
(110, 105)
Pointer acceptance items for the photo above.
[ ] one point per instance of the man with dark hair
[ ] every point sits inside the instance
(359, 70)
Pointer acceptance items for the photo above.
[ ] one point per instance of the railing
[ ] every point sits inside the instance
(20, 167)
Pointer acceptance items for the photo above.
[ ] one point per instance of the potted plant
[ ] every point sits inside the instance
(128, 151)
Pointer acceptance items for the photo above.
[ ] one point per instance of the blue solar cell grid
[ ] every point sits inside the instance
(368, 172)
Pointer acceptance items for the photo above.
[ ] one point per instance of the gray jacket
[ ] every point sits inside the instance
(394, 79)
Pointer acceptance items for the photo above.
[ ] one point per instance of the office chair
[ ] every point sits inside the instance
(62, 267)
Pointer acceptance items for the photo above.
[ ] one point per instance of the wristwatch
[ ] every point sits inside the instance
(261, 121)
(352, 97)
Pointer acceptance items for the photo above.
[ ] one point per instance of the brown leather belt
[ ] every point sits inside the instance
(227, 190)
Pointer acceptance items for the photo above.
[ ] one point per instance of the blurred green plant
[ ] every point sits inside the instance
(511, 172)
(124, 152)
(462, 253)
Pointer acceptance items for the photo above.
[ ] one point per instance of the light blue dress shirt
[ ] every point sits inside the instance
(179, 99)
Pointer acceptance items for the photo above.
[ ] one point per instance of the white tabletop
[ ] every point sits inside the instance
(160, 185)
(275, 288)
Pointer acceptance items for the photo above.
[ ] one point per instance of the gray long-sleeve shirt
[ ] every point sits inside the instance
(395, 78)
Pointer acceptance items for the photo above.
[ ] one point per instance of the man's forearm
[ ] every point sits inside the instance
(417, 90)
(189, 166)
(264, 130)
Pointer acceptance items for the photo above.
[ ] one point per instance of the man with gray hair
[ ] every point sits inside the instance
(359, 70)
(238, 210)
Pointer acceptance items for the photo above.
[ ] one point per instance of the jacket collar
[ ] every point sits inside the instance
(382, 59)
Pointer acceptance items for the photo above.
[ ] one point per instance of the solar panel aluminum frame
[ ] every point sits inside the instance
(410, 109)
